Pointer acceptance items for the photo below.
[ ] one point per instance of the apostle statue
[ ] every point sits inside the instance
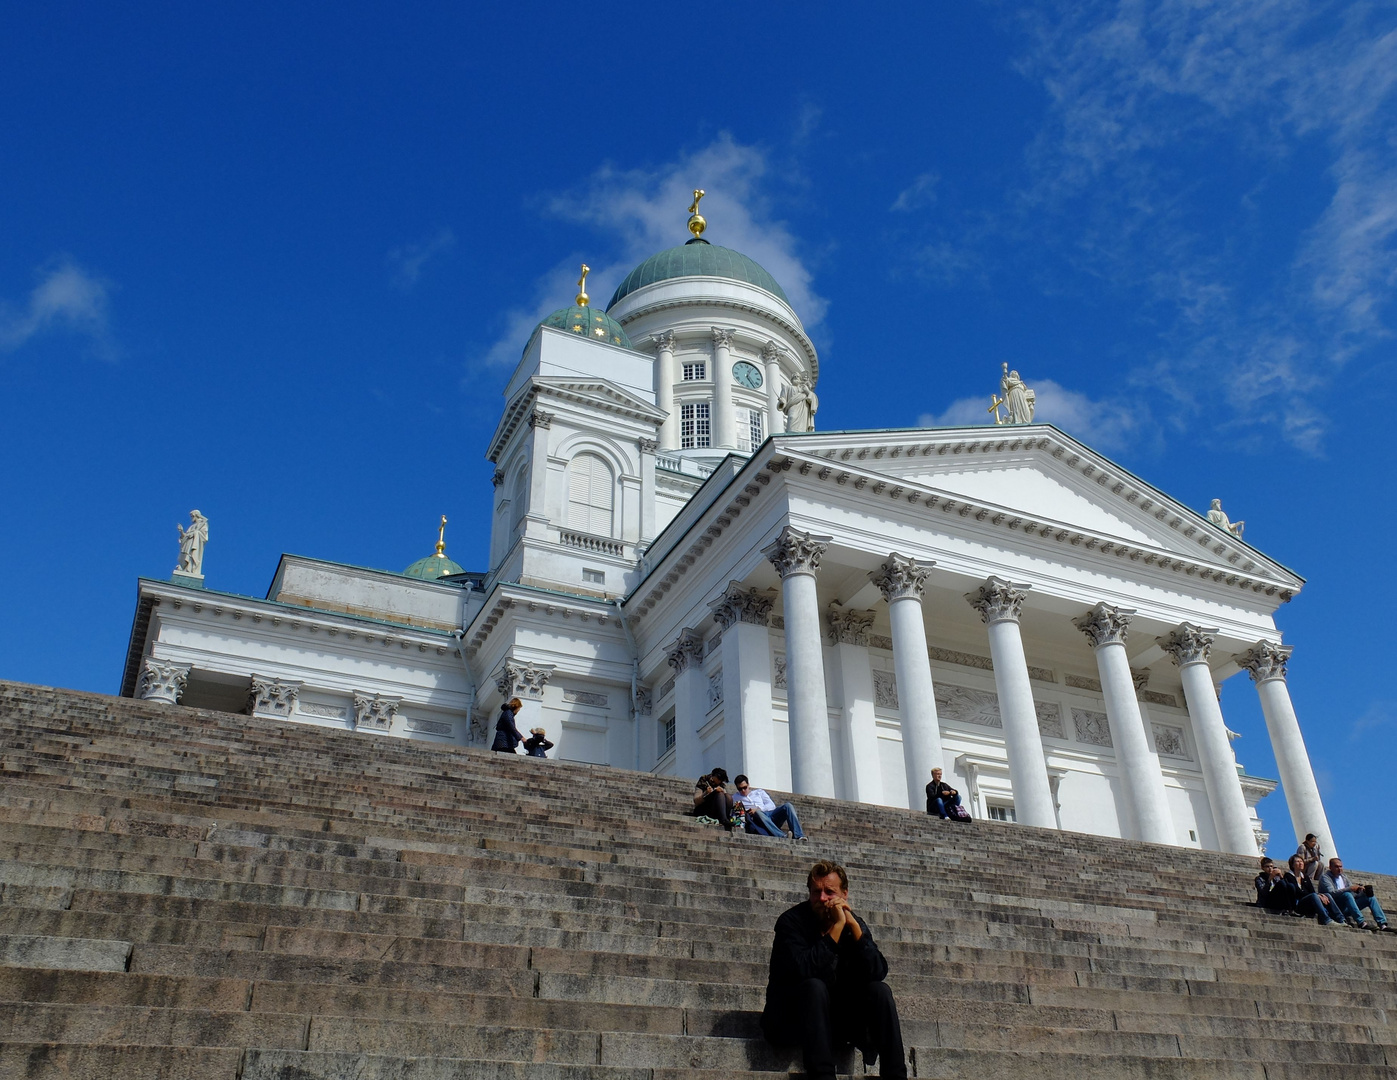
(1018, 399)
(799, 404)
(1218, 518)
(191, 544)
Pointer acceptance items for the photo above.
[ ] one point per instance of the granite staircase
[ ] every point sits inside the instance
(197, 894)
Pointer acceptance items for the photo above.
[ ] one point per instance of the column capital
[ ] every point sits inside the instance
(647, 446)
(771, 352)
(374, 712)
(740, 604)
(998, 600)
(272, 697)
(796, 552)
(498, 478)
(516, 678)
(1188, 644)
(540, 419)
(162, 681)
(722, 336)
(1105, 625)
(685, 651)
(1266, 660)
(899, 577)
(664, 341)
(848, 626)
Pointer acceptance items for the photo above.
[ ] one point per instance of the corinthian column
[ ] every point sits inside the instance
(999, 603)
(664, 389)
(771, 362)
(162, 681)
(1189, 646)
(902, 582)
(1148, 807)
(1267, 663)
(724, 419)
(796, 556)
(685, 656)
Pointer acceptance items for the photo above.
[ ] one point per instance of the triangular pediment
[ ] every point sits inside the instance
(1032, 476)
(600, 394)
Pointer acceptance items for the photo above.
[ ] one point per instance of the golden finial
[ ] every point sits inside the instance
(441, 538)
(696, 222)
(582, 297)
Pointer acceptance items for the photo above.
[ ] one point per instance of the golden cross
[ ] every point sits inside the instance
(696, 221)
(699, 193)
(441, 538)
(995, 402)
(582, 297)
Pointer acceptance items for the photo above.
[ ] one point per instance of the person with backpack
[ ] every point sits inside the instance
(944, 800)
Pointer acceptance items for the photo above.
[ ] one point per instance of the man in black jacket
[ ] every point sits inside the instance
(826, 985)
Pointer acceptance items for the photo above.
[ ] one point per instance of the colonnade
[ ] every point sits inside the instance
(748, 680)
(720, 363)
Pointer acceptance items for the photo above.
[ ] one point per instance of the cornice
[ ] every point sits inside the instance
(791, 328)
(592, 393)
(510, 598)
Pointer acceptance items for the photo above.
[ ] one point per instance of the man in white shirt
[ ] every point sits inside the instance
(1351, 898)
(763, 815)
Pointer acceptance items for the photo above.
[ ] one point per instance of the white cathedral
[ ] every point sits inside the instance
(684, 574)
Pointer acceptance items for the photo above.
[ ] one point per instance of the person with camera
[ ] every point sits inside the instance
(1314, 858)
(1351, 897)
(1270, 892)
(826, 986)
(711, 798)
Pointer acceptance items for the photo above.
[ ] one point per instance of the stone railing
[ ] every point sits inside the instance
(600, 544)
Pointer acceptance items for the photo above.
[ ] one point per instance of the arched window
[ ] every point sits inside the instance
(518, 497)
(590, 495)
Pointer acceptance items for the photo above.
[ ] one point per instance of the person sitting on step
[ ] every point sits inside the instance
(1314, 858)
(826, 984)
(536, 744)
(1351, 898)
(1308, 899)
(763, 816)
(711, 798)
(507, 736)
(1265, 884)
(940, 796)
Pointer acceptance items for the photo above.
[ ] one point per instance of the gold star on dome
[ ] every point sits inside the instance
(600, 331)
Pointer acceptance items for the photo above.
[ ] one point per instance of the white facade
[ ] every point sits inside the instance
(832, 614)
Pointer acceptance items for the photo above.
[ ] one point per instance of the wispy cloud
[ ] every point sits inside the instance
(1111, 425)
(66, 299)
(1176, 156)
(406, 262)
(1378, 716)
(919, 193)
(642, 211)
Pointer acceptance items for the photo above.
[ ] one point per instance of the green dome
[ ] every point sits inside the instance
(697, 258)
(433, 567)
(589, 322)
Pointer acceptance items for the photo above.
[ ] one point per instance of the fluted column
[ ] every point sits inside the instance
(999, 603)
(685, 656)
(162, 681)
(664, 389)
(1189, 646)
(902, 582)
(771, 363)
(724, 419)
(796, 556)
(1106, 628)
(749, 742)
(1267, 663)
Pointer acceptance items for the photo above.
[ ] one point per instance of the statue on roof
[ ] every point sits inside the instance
(191, 544)
(1218, 519)
(1017, 398)
(799, 404)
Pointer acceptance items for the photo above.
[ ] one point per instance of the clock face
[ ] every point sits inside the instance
(746, 375)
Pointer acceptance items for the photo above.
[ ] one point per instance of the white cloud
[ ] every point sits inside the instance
(921, 192)
(67, 298)
(1110, 425)
(407, 261)
(643, 211)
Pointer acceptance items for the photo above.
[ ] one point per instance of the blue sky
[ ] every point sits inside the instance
(276, 266)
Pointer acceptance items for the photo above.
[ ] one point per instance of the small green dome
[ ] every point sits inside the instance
(433, 567)
(589, 322)
(697, 258)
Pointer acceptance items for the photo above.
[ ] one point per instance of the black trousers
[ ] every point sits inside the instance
(819, 1022)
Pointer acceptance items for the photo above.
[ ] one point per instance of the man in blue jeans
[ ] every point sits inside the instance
(764, 817)
(1351, 898)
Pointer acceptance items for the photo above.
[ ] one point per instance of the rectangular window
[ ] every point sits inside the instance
(667, 737)
(696, 372)
(1001, 812)
(695, 427)
(594, 577)
(751, 428)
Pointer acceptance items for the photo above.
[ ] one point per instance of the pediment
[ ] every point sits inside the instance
(1034, 477)
(595, 393)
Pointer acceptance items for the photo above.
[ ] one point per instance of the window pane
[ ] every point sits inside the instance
(590, 495)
